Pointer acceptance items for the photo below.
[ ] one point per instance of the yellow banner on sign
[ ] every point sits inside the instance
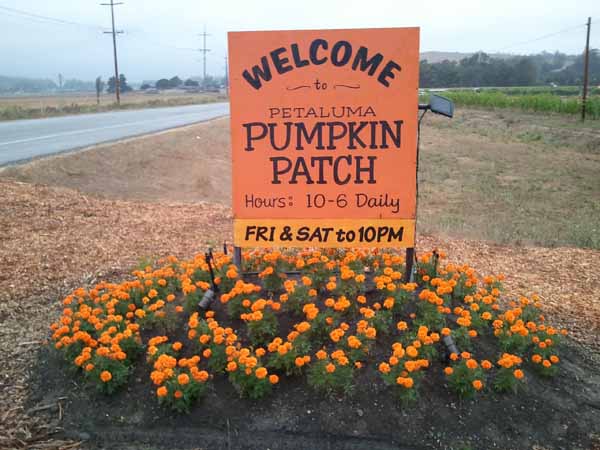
(380, 233)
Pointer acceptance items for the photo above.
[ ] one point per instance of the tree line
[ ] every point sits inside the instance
(481, 70)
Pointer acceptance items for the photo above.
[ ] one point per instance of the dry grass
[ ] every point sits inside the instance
(29, 107)
(184, 165)
(484, 177)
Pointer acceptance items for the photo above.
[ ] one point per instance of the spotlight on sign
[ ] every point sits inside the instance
(439, 105)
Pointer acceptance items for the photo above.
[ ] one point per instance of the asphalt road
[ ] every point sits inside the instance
(21, 140)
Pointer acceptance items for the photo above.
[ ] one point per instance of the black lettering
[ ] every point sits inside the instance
(250, 230)
(370, 169)
(298, 61)
(338, 61)
(281, 64)
(395, 235)
(336, 164)
(286, 144)
(250, 137)
(258, 73)
(362, 62)
(314, 48)
(336, 136)
(386, 130)
(277, 171)
(301, 169)
(388, 72)
(302, 234)
(302, 131)
(320, 160)
(353, 135)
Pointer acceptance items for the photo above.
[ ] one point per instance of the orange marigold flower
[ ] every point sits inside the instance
(412, 351)
(183, 379)
(273, 379)
(201, 376)
(177, 346)
(448, 371)
(471, 364)
(478, 385)
(546, 364)
(518, 373)
(106, 376)
(261, 373)
(162, 391)
(384, 367)
(486, 364)
(178, 394)
(330, 368)
(321, 354)
(406, 382)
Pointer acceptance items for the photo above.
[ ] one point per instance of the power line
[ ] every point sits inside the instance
(47, 19)
(542, 37)
(136, 35)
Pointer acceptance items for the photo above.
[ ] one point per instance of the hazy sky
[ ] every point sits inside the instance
(161, 35)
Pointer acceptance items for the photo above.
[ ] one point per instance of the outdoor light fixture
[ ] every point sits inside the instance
(450, 345)
(209, 295)
(440, 105)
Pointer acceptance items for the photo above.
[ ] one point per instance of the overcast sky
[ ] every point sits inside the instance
(160, 35)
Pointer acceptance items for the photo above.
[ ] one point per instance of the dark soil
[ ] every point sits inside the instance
(558, 413)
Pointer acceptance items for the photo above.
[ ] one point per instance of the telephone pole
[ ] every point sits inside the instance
(114, 33)
(204, 51)
(586, 65)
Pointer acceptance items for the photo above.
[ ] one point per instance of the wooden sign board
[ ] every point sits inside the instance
(324, 137)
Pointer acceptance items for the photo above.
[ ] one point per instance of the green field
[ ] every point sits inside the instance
(562, 100)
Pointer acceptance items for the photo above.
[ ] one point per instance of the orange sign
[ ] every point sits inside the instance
(324, 137)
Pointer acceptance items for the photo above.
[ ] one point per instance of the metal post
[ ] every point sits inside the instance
(410, 257)
(237, 257)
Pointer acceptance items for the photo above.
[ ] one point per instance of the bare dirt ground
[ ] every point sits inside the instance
(73, 219)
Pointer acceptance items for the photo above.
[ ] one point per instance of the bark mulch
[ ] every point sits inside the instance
(55, 239)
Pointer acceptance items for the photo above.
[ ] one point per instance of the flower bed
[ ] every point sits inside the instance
(339, 313)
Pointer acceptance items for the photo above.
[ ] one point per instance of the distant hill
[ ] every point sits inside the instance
(436, 57)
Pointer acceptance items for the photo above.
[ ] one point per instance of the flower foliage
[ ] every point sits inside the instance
(326, 314)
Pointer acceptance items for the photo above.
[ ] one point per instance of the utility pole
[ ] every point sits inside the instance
(586, 64)
(204, 51)
(114, 33)
(226, 78)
